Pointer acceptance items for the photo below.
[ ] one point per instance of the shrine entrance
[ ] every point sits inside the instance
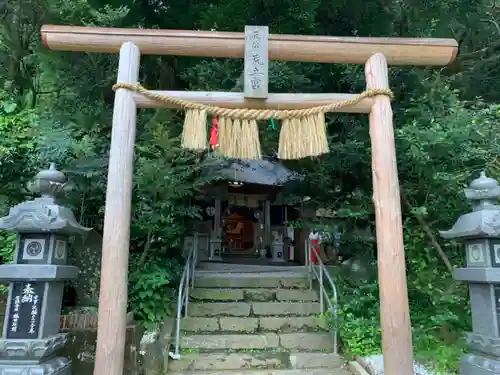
(238, 231)
(242, 210)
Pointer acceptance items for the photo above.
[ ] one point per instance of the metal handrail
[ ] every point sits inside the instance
(320, 272)
(186, 283)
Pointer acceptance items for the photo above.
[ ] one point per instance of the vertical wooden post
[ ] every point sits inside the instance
(115, 245)
(256, 62)
(217, 217)
(394, 311)
(267, 222)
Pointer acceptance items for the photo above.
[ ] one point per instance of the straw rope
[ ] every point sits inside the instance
(303, 131)
(253, 114)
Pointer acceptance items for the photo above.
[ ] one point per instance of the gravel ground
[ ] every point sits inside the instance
(376, 362)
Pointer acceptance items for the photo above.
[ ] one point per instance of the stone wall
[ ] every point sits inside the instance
(81, 349)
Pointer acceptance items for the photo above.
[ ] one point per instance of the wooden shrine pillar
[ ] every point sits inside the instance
(267, 222)
(115, 244)
(215, 243)
(218, 216)
(394, 310)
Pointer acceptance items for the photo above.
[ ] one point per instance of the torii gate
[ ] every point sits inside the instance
(375, 53)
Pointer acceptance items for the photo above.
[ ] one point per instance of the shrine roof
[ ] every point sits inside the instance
(268, 171)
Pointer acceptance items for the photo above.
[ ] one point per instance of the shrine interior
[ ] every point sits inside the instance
(245, 216)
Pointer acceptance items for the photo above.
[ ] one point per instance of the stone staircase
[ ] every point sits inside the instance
(255, 323)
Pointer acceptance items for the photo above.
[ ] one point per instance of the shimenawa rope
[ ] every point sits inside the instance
(303, 131)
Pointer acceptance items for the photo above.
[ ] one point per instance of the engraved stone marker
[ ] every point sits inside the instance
(480, 230)
(31, 335)
(256, 62)
(25, 309)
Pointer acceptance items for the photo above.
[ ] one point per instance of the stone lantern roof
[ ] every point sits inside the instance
(44, 214)
(484, 220)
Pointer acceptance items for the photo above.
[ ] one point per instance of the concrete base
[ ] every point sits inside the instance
(256, 323)
(36, 351)
(357, 369)
(54, 366)
(240, 309)
(318, 371)
(254, 295)
(156, 354)
(275, 280)
(247, 265)
(237, 325)
(295, 342)
(215, 250)
(475, 364)
(278, 254)
(255, 360)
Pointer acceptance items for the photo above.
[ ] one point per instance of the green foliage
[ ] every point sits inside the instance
(151, 290)
(7, 246)
(439, 307)
(435, 329)
(359, 318)
(166, 180)
(17, 125)
(17, 147)
(7, 251)
(442, 142)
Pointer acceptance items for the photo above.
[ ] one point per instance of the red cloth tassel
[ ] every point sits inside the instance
(315, 244)
(214, 134)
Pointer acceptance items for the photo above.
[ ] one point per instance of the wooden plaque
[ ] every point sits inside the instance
(256, 62)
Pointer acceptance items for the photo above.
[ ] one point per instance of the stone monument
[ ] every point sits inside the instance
(480, 230)
(277, 247)
(215, 245)
(31, 334)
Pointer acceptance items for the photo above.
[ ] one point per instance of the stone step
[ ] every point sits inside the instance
(307, 341)
(258, 294)
(250, 280)
(253, 309)
(253, 324)
(229, 361)
(255, 360)
(258, 267)
(322, 371)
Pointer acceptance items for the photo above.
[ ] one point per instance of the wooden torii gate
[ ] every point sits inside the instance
(374, 53)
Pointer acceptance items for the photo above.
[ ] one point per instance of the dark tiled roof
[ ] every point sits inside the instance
(263, 172)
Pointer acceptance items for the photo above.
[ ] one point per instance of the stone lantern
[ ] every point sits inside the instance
(480, 231)
(277, 247)
(31, 336)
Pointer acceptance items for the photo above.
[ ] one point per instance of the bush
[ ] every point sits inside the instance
(7, 251)
(151, 288)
